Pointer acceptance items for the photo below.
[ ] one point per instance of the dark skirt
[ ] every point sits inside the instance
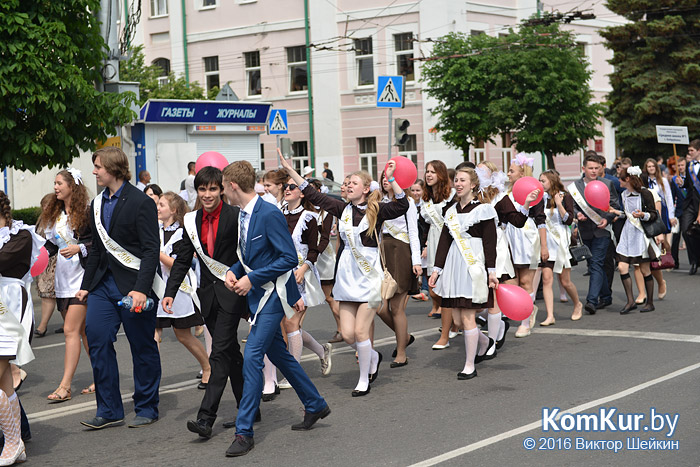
(462, 302)
(398, 262)
(181, 323)
(62, 304)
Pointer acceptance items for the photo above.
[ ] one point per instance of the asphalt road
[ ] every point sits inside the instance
(419, 413)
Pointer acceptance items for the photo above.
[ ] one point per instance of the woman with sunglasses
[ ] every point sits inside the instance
(358, 280)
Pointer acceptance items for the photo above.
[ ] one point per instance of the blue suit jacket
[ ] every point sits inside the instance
(270, 252)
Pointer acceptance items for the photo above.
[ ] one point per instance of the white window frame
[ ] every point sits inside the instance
(506, 156)
(368, 160)
(207, 74)
(163, 81)
(399, 53)
(290, 66)
(200, 5)
(159, 14)
(300, 161)
(249, 70)
(364, 58)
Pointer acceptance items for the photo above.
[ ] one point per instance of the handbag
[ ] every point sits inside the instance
(655, 227)
(693, 230)
(580, 252)
(389, 285)
(666, 261)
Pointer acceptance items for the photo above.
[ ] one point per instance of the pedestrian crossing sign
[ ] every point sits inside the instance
(277, 123)
(390, 91)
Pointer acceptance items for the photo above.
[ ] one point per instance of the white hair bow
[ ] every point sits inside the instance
(522, 160)
(374, 186)
(76, 174)
(634, 170)
(498, 181)
(485, 180)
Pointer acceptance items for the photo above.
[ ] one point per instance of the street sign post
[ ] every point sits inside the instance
(277, 124)
(391, 91)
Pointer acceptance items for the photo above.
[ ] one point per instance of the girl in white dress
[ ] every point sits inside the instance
(465, 265)
(358, 280)
(69, 225)
(559, 209)
(436, 197)
(528, 245)
(171, 212)
(634, 246)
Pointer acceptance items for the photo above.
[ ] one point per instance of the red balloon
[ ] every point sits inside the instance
(597, 195)
(405, 173)
(211, 159)
(514, 301)
(524, 186)
(41, 262)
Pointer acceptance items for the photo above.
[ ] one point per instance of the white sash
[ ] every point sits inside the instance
(562, 260)
(396, 232)
(435, 217)
(476, 268)
(638, 225)
(216, 268)
(185, 286)
(120, 254)
(63, 231)
(531, 234)
(313, 293)
(280, 284)
(11, 322)
(370, 272)
(581, 201)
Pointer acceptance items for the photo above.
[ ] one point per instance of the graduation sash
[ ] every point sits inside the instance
(368, 270)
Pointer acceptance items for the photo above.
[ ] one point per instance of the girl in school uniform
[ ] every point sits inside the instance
(358, 279)
(465, 265)
(171, 212)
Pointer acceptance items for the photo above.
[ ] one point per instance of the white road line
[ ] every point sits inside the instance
(658, 336)
(59, 344)
(531, 426)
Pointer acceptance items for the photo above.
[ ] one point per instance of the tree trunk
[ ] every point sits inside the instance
(465, 152)
(550, 159)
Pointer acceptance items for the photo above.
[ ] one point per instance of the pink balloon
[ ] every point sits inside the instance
(41, 262)
(211, 158)
(406, 171)
(524, 186)
(597, 195)
(514, 301)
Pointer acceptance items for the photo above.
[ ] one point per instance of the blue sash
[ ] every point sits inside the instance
(694, 178)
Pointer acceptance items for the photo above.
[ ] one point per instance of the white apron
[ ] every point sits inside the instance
(310, 289)
(432, 213)
(326, 259)
(525, 241)
(504, 262)
(558, 239)
(69, 271)
(183, 305)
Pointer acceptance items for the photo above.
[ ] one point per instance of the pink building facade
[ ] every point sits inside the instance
(258, 48)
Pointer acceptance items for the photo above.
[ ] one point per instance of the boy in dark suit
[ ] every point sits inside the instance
(263, 274)
(123, 261)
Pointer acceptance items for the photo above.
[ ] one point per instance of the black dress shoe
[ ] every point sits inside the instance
(693, 269)
(139, 421)
(241, 446)
(202, 385)
(628, 308)
(500, 343)
(374, 375)
(98, 423)
(411, 340)
(311, 418)
(481, 358)
(463, 376)
(356, 393)
(270, 397)
(590, 308)
(38, 333)
(602, 305)
(232, 423)
(201, 427)
(647, 309)
(398, 364)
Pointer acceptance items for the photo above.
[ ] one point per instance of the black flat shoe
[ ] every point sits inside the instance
(627, 309)
(481, 358)
(311, 418)
(647, 309)
(693, 270)
(411, 340)
(463, 376)
(202, 385)
(99, 423)
(38, 333)
(481, 322)
(356, 393)
(58, 331)
(590, 308)
(500, 343)
(201, 427)
(398, 364)
(270, 397)
(374, 375)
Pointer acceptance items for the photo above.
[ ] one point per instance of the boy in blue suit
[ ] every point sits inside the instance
(263, 274)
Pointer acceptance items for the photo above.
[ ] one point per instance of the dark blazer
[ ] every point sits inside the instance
(588, 228)
(225, 252)
(134, 226)
(692, 200)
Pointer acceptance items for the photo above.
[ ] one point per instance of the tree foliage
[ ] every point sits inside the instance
(51, 56)
(657, 71)
(534, 82)
(135, 69)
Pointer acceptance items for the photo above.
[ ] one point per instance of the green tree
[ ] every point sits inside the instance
(533, 83)
(51, 55)
(656, 80)
(135, 69)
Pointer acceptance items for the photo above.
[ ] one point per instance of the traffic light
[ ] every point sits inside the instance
(400, 131)
(286, 148)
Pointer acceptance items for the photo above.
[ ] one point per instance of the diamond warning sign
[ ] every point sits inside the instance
(390, 91)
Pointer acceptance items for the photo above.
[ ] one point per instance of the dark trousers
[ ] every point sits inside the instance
(226, 360)
(609, 264)
(598, 281)
(103, 320)
(266, 338)
(691, 243)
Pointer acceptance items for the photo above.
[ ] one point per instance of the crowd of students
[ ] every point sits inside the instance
(459, 232)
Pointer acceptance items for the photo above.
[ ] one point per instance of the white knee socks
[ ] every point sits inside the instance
(295, 344)
(495, 326)
(10, 424)
(483, 343)
(364, 355)
(471, 343)
(312, 344)
(270, 376)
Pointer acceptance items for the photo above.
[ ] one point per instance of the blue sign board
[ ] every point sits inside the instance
(277, 124)
(204, 112)
(390, 91)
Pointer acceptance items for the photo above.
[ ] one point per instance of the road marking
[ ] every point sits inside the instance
(531, 426)
(49, 346)
(657, 336)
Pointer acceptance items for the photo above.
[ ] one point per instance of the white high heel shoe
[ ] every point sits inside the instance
(19, 456)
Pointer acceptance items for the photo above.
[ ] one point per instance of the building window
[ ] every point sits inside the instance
(479, 152)
(211, 71)
(159, 7)
(208, 3)
(410, 149)
(403, 45)
(368, 155)
(164, 65)
(364, 62)
(506, 149)
(476, 32)
(252, 73)
(300, 158)
(296, 62)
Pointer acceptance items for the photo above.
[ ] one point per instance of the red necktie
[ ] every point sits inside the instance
(210, 236)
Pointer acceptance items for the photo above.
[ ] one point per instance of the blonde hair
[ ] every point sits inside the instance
(525, 170)
(473, 177)
(373, 199)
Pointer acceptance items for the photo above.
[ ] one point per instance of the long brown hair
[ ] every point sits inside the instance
(41, 223)
(441, 189)
(177, 205)
(5, 209)
(556, 186)
(79, 200)
(373, 199)
(634, 180)
(657, 174)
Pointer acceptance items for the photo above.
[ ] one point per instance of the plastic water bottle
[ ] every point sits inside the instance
(60, 242)
(127, 302)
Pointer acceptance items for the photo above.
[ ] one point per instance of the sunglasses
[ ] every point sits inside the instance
(290, 186)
